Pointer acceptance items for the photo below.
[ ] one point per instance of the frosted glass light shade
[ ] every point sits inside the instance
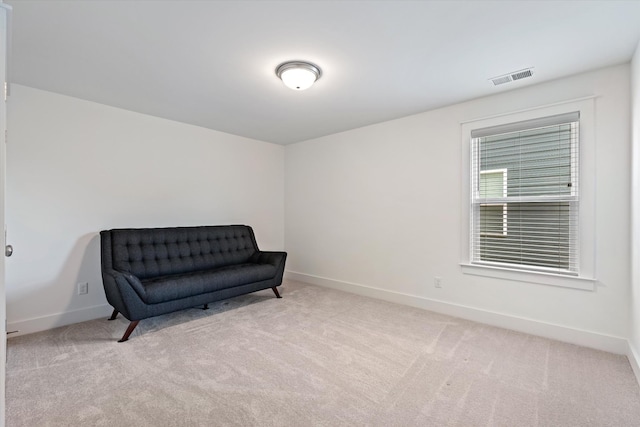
(298, 75)
(298, 78)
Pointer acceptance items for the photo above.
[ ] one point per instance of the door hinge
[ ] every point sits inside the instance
(6, 91)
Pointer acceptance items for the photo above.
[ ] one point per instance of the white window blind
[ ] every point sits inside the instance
(524, 198)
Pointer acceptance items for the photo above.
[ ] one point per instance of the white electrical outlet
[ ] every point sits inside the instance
(437, 282)
(83, 288)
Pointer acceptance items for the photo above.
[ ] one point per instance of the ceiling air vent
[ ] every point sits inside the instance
(514, 75)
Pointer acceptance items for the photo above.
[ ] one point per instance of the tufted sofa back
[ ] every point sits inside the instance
(153, 252)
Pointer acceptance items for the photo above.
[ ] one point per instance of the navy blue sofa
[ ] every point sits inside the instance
(147, 272)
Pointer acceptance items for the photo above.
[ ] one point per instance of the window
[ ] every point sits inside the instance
(528, 195)
(524, 198)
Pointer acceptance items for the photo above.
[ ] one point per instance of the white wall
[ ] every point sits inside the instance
(76, 167)
(634, 334)
(376, 210)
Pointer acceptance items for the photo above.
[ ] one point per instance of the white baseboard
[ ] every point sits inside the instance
(583, 338)
(51, 321)
(634, 360)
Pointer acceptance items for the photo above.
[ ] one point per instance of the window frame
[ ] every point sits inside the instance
(585, 278)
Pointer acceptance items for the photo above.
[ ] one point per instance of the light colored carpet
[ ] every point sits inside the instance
(316, 357)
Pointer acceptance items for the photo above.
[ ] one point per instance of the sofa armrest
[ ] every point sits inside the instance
(277, 259)
(122, 277)
(266, 257)
(124, 291)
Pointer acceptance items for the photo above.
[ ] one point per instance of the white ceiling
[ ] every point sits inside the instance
(211, 63)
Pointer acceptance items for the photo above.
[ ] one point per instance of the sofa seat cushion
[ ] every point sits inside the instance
(174, 287)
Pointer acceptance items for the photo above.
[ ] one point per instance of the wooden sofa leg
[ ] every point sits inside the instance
(275, 291)
(130, 329)
(114, 315)
(206, 307)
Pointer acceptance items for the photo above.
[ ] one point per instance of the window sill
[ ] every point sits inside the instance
(550, 279)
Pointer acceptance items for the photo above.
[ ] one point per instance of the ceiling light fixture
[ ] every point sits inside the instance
(298, 75)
